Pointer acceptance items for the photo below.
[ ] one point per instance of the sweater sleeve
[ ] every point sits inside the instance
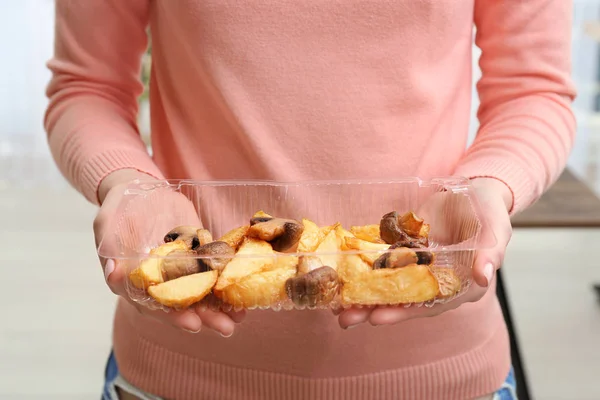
(527, 127)
(91, 119)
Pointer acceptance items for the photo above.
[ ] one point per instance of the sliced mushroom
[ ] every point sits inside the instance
(179, 263)
(397, 258)
(186, 233)
(313, 289)
(392, 232)
(282, 234)
(307, 264)
(389, 228)
(425, 257)
(220, 254)
(204, 236)
(259, 217)
(258, 220)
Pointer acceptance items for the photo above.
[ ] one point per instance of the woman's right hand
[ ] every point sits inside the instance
(115, 273)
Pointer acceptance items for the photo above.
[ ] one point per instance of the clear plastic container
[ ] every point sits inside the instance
(329, 250)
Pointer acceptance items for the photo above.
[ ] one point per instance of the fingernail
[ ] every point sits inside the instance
(109, 267)
(488, 272)
(191, 331)
(351, 326)
(225, 335)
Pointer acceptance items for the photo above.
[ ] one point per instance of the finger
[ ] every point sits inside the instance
(488, 261)
(236, 316)
(114, 274)
(217, 321)
(186, 320)
(337, 310)
(354, 316)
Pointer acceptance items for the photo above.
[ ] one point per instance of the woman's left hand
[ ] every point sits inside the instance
(495, 199)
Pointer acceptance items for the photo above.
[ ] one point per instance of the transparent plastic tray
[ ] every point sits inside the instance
(351, 267)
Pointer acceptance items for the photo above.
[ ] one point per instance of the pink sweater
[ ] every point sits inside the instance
(290, 90)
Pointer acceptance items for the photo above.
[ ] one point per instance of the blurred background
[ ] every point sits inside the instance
(56, 311)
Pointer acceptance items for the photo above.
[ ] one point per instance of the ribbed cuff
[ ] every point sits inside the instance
(97, 168)
(523, 189)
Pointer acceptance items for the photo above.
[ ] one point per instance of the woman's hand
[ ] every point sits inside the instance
(150, 220)
(495, 199)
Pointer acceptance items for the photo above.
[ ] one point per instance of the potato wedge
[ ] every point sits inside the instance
(331, 245)
(244, 264)
(352, 267)
(204, 236)
(342, 234)
(448, 282)
(261, 214)
(235, 237)
(311, 237)
(370, 233)
(413, 225)
(184, 291)
(150, 271)
(261, 289)
(373, 250)
(326, 229)
(411, 284)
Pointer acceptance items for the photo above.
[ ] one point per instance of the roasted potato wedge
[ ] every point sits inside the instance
(243, 264)
(448, 282)
(204, 236)
(351, 267)
(370, 233)
(150, 271)
(259, 217)
(311, 237)
(262, 289)
(184, 291)
(261, 214)
(235, 237)
(330, 245)
(373, 250)
(411, 284)
(413, 225)
(342, 234)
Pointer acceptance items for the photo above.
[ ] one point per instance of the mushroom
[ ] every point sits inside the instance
(258, 220)
(396, 258)
(282, 234)
(389, 228)
(220, 254)
(424, 257)
(179, 263)
(315, 288)
(186, 233)
(392, 232)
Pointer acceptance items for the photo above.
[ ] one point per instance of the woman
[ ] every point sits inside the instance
(295, 90)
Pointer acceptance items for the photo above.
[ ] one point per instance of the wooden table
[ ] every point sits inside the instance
(568, 203)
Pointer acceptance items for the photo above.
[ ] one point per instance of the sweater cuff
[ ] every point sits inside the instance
(509, 172)
(97, 168)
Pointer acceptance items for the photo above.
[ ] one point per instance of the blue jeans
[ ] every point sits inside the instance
(112, 378)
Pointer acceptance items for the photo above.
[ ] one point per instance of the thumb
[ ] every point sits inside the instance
(114, 274)
(498, 230)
